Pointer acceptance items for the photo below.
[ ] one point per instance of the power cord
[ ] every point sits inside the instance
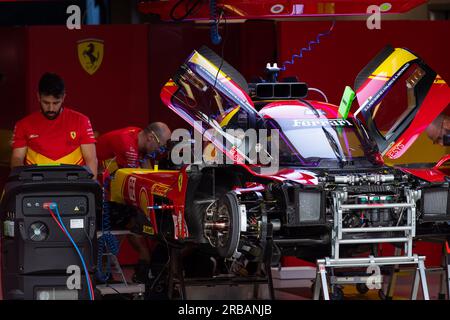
(188, 10)
(60, 223)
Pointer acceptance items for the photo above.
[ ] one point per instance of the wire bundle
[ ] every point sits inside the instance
(63, 228)
(107, 241)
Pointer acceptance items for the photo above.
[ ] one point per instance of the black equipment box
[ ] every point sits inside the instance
(34, 247)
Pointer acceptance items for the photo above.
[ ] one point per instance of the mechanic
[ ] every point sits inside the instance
(131, 147)
(55, 134)
(439, 128)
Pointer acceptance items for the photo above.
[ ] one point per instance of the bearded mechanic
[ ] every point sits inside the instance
(55, 133)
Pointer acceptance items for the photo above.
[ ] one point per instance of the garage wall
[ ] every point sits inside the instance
(12, 89)
(116, 94)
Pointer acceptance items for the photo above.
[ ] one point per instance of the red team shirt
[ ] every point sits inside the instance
(120, 145)
(53, 141)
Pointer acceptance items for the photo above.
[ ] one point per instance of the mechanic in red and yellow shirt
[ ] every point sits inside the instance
(55, 134)
(128, 148)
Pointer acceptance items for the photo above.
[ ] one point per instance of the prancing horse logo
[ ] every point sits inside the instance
(90, 54)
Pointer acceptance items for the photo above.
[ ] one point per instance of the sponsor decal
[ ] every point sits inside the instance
(309, 123)
(143, 200)
(160, 189)
(395, 150)
(132, 188)
(148, 230)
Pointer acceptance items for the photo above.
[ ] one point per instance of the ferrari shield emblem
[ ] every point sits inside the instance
(90, 54)
(180, 182)
(73, 135)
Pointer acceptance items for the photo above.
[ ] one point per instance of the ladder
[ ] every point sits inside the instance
(370, 235)
(135, 289)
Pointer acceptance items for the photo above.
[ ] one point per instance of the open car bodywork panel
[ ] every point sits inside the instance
(399, 96)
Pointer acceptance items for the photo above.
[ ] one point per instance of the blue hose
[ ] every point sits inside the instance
(55, 206)
(309, 48)
(107, 242)
(215, 36)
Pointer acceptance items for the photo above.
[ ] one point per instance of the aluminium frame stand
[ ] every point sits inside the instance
(339, 238)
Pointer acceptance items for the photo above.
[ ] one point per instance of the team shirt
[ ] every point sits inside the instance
(53, 141)
(119, 147)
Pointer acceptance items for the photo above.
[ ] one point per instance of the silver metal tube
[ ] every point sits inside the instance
(376, 206)
(378, 240)
(374, 229)
(423, 280)
(369, 261)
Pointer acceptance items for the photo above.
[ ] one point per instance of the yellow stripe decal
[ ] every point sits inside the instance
(393, 63)
(75, 157)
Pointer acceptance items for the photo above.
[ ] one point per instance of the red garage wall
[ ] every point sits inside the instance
(12, 75)
(138, 60)
(117, 94)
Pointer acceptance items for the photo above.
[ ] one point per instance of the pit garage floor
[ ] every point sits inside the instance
(300, 289)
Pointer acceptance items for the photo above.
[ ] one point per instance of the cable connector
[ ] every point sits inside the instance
(49, 205)
(161, 207)
(272, 71)
(273, 68)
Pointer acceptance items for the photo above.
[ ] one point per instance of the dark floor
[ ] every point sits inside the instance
(304, 292)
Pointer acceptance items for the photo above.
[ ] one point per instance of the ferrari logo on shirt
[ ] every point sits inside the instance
(180, 182)
(73, 135)
(90, 54)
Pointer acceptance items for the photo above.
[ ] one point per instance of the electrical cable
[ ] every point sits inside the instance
(114, 289)
(222, 50)
(107, 241)
(319, 91)
(308, 48)
(66, 232)
(188, 12)
(91, 246)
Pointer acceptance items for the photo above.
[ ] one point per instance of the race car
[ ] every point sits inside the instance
(302, 168)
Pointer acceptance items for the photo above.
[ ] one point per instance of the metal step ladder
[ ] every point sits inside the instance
(370, 235)
(135, 289)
